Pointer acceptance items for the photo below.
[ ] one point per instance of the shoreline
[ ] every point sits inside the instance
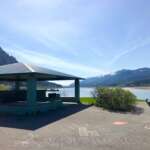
(131, 87)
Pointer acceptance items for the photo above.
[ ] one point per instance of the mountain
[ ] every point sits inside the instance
(5, 58)
(48, 85)
(138, 77)
(42, 85)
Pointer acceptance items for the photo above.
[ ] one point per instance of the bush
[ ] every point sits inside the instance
(114, 98)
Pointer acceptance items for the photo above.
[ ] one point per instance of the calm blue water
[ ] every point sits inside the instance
(141, 93)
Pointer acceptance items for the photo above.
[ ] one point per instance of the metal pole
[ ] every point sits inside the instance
(31, 92)
(17, 85)
(77, 90)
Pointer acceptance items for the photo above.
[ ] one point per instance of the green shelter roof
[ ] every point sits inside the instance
(21, 71)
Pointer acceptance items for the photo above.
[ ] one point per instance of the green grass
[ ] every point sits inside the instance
(4, 87)
(87, 100)
(90, 100)
(141, 101)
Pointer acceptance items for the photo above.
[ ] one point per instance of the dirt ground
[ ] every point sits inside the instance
(77, 127)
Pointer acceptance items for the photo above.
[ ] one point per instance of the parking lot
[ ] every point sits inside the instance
(77, 127)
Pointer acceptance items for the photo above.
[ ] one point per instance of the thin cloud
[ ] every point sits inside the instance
(50, 61)
(52, 36)
(39, 3)
(130, 50)
(75, 32)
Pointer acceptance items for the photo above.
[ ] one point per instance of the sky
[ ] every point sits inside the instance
(80, 37)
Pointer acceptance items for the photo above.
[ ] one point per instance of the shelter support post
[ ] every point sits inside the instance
(31, 92)
(17, 85)
(77, 90)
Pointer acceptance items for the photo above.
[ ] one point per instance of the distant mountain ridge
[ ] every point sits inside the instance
(137, 77)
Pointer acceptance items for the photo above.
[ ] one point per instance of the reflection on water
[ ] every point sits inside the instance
(141, 93)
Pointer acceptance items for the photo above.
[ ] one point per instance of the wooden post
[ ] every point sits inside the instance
(77, 90)
(31, 92)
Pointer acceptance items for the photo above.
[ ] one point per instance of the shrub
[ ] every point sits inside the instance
(114, 98)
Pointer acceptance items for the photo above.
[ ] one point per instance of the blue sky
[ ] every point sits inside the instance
(81, 37)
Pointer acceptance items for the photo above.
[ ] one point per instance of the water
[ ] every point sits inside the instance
(141, 93)
(84, 92)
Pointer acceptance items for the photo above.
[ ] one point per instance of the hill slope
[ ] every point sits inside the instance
(138, 77)
(5, 58)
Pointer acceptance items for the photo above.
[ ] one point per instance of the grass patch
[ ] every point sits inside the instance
(87, 100)
(140, 100)
(90, 100)
(4, 87)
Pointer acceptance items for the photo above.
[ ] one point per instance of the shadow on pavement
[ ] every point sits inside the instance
(37, 121)
(135, 110)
